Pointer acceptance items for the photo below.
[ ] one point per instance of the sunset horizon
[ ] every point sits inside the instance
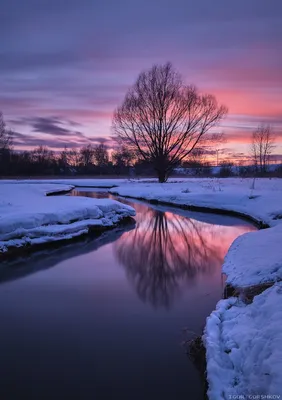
(74, 63)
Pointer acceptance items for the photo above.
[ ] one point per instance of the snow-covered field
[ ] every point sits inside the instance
(243, 341)
(28, 216)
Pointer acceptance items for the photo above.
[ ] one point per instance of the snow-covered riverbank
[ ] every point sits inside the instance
(244, 347)
(29, 217)
(262, 203)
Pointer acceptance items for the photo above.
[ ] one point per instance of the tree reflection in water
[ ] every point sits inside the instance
(166, 250)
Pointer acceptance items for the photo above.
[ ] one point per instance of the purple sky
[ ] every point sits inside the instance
(65, 65)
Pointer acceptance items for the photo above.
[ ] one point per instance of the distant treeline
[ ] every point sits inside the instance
(88, 160)
(97, 160)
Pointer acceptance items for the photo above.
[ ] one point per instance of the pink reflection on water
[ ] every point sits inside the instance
(167, 252)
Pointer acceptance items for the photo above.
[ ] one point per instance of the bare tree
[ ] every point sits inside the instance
(6, 136)
(163, 120)
(43, 156)
(262, 147)
(63, 159)
(87, 153)
(101, 156)
(74, 157)
(123, 157)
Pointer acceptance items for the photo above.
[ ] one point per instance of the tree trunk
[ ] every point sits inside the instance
(162, 176)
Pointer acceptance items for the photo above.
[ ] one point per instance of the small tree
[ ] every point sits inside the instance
(163, 120)
(262, 147)
(6, 135)
(63, 159)
(6, 139)
(100, 154)
(87, 154)
(43, 159)
(74, 158)
(122, 157)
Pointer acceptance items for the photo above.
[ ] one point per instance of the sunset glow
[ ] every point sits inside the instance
(73, 64)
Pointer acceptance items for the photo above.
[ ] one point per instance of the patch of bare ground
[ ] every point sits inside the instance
(248, 293)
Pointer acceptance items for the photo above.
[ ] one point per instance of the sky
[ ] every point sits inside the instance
(66, 65)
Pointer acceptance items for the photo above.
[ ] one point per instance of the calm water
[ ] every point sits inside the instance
(105, 318)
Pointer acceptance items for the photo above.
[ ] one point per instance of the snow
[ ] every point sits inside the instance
(243, 345)
(28, 216)
(255, 258)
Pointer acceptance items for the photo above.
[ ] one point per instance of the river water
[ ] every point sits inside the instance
(106, 318)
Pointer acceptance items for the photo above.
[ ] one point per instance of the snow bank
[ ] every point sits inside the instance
(243, 347)
(255, 258)
(28, 216)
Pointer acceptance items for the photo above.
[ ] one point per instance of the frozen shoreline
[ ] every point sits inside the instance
(30, 216)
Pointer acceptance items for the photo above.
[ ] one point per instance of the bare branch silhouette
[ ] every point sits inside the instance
(262, 147)
(163, 120)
